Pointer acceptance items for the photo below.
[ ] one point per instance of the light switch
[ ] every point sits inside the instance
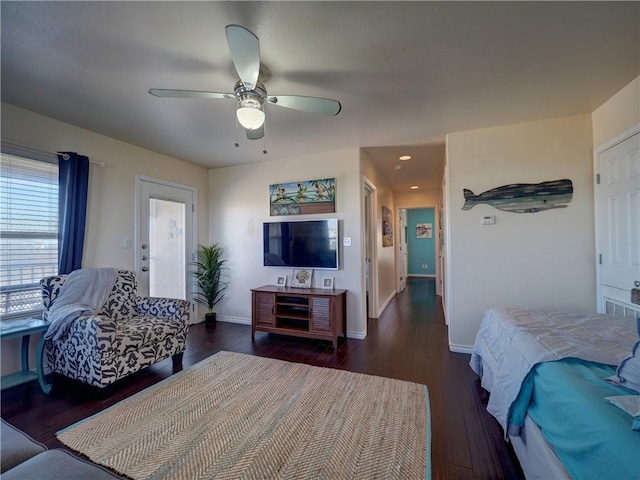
(126, 243)
(346, 241)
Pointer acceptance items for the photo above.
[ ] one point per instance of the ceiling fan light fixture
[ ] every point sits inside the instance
(249, 91)
(250, 114)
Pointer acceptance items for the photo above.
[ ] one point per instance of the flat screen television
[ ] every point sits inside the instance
(301, 244)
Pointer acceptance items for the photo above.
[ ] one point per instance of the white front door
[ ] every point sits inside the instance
(165, 236)
(618, 205)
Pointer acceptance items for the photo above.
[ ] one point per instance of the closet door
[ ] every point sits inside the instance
(618, 219)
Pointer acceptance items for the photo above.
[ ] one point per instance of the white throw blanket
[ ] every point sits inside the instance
(84, 292)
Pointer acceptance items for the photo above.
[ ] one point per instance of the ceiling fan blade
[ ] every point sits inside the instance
(256, 134)
(162, 92)
(323, 106)
(245, 52)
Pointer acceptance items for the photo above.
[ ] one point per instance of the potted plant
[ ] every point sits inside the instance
(210, 274)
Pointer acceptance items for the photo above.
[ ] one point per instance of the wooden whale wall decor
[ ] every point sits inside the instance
(523, 197)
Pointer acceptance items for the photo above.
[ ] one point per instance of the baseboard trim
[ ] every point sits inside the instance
(356, 335)
(460, 349)
(230, 319)
(393, 294)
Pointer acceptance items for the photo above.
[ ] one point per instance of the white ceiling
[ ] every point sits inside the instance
(406, 73)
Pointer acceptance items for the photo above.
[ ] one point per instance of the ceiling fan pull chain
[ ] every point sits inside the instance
(264, 137)
(236, 144)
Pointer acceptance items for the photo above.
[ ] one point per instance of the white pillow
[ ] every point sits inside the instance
(629, 404)
(628, 372)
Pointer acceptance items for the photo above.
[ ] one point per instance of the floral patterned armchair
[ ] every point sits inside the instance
(128, 334)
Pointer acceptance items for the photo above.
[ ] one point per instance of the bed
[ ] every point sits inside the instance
(564, 386)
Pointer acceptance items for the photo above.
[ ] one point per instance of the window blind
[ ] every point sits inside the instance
(28, 231)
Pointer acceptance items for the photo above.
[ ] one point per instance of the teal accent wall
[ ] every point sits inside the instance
(422, 251)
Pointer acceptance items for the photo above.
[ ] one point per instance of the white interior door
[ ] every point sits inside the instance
(370, 252)
(618, 197)
(404, 249)
(164, 244)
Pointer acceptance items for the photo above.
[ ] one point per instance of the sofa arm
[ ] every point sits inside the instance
(17, 447)
(171, 308)
(50, 288)
(56, 464)
(95, 332)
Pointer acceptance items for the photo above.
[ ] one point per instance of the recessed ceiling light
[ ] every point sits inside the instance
(414, 187)
(405, 157)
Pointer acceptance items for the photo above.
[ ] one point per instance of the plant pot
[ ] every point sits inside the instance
(210, 318)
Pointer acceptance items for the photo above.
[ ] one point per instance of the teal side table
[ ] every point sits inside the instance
(25, 328)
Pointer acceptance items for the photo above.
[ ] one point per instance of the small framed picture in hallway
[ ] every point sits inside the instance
(424, 230)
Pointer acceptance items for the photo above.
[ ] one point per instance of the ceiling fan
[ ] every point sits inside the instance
(249, 90)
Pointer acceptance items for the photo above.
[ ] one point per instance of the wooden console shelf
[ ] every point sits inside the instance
(302, 312)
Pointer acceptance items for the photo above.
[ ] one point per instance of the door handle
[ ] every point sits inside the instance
(145, 269)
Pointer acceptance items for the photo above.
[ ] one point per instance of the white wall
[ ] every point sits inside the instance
(618, 114)
(417, 199)
(385, 257)
(111, 203)
(532, 260)
(239, 204)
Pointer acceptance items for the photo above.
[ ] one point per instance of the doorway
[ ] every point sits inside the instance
(618, 224)
(370, 265)
(165, 233)
(418, 247)
(404, 249)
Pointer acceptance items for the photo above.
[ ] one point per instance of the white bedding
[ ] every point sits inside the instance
(511, 341)
(536, 457)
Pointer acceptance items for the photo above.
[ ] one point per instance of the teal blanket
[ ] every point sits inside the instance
(592, 438)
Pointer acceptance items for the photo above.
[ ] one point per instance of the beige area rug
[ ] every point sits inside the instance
(240, 416)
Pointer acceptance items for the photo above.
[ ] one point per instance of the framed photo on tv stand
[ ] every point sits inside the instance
(327, 282)
(301, 277)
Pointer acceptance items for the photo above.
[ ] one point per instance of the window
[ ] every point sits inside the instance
(28, 232)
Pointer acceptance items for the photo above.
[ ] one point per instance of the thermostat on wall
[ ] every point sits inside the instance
(488, 220)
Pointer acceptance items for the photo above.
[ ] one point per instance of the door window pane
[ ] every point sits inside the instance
(167, 249)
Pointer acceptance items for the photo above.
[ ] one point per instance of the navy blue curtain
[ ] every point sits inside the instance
(72, 197)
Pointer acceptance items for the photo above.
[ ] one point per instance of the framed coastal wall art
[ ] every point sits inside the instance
(303, 197)
(387, 227)
(523, 197)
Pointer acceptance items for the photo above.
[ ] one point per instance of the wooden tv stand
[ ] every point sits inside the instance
(302, 312)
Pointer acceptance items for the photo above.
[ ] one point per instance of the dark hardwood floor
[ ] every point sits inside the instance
(408, 342)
